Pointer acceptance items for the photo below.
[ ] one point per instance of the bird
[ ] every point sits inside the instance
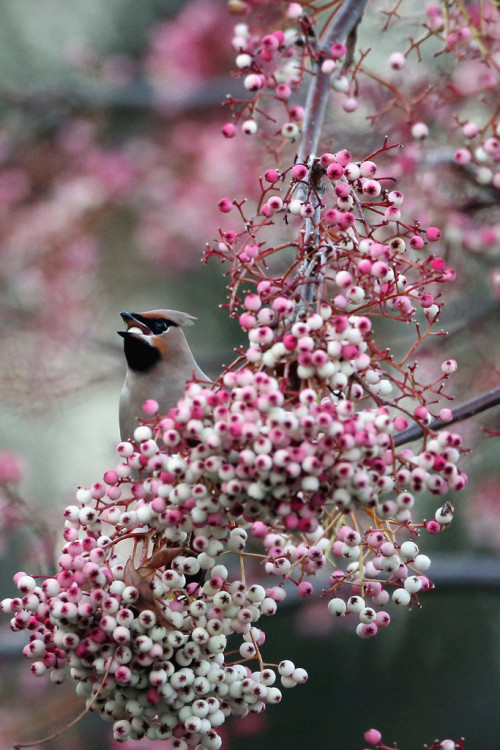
(159, 363)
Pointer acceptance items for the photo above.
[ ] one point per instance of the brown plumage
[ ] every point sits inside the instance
(159, 363)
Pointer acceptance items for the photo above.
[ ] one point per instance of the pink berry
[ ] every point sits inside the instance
(400, 424)
(433, 234)
(270, 41)
(338, 50)
(462, 156)
(111, 477)
(343, 157)
(283, 91)
(299, 171)
(334, 171)
(272, 175)
(416, 242)
(225, 205)
(426, 300)
(297, 113)
(421, 412)
(438, 264)
(305, 588)
(229, 130)
(259, 529)
(373, 736)
(432, 527)
(326, 159)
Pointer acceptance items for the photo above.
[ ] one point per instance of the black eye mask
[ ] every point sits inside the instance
(160, 326)
(156, 325)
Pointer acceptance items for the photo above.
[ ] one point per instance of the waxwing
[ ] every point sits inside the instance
(159, 363)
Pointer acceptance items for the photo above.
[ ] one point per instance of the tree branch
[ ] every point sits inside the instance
(342, 24)
(469, 409)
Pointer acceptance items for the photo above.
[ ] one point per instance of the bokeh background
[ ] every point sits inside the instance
(111, 166)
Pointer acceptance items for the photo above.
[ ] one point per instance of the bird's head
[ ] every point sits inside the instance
(154, 336)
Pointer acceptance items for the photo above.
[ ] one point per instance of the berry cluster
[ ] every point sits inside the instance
(481, 152)
(356, 251)
(272, 66)
(146, 648)
(293, 458)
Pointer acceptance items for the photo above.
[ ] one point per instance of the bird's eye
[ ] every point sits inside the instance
(160, 326)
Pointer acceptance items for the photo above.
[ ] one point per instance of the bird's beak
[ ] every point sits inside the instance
(134, 325)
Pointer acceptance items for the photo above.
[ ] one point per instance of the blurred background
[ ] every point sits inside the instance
(111, 166)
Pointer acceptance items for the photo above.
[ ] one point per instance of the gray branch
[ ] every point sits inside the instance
(469, 409)
(342, 24)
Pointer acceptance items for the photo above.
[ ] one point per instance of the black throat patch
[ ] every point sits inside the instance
(140, 355)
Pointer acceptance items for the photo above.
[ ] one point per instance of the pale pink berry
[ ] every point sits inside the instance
(150, 407)
(397, 61)
(368, 168)
(372, 188)
(11, 467)
(254, 82)
(252, 251)
(470, 130)
(328, 67)
(350, 104)
(449, 366)
(445, 415)
(419, 131)
(294, 11)
(462, 157)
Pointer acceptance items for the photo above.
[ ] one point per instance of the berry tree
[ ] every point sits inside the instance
(309, 454)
